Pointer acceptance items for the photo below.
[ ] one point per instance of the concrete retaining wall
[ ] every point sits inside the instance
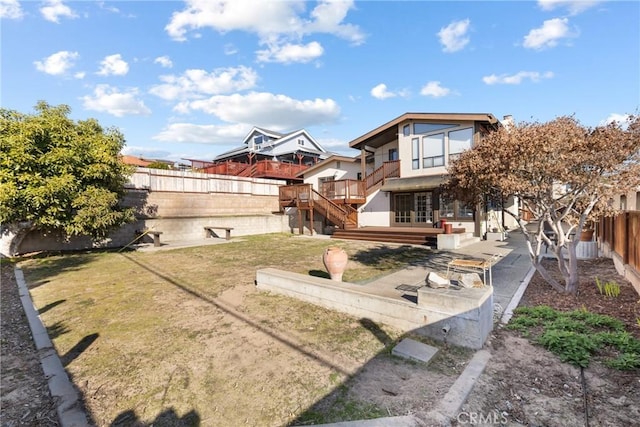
(181, 204)
(467, 313)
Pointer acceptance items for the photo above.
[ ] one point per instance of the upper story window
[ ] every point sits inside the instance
(459, 141)
(393, 154)
(433, 150)
(301, 142)
(422, 128)
(406, 130)
(258, 139)
(415, 153)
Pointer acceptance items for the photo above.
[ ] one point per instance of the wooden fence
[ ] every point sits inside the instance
(622, 234)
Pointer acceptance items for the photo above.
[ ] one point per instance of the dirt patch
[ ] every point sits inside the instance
(524, 384)
(25, 394)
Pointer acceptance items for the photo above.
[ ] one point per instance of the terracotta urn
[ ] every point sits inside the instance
(335, 261)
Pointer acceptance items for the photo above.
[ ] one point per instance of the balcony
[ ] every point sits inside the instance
(345, 191)
(260, 169)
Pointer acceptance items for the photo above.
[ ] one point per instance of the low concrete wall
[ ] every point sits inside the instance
(173, 229)
(466, 314)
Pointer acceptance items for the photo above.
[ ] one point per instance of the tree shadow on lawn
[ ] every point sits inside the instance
(167, 418)
(60, 262)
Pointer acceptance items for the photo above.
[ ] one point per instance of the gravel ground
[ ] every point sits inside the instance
(24, 393)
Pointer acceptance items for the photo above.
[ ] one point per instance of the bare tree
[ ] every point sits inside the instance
(563, 173)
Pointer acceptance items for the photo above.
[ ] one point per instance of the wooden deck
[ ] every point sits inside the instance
(409, 235)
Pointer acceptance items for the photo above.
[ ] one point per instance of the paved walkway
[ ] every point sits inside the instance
(508, 272)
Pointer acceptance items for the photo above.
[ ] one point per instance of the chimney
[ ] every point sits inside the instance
(507, 121)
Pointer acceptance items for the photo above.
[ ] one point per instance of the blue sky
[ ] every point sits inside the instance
(189, 79)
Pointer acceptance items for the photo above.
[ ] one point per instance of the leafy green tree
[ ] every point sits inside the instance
(58, 174)
(158, 165)
(564, 173)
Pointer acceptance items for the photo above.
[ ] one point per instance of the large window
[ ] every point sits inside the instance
(459, 141)
(433, 150)
(415, 153)
(455, 210)
(422, 128)
(406, 130)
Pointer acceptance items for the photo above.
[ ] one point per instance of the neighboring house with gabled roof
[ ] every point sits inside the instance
(267, 154)
(297, 147)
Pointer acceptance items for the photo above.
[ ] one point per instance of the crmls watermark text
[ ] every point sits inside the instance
(479, 418)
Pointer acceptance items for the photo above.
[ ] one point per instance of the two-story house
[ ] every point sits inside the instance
(402, 165)
(267, 154)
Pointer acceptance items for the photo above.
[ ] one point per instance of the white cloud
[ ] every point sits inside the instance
(622, 119)
(573, 6)
(80, 75)
(109, 8)
(58, 63)
(108, 99)
(197, 83)
(54, 9)
(203, 134)
(548, 35)
(381, 92)
(288, 53)
(516, 79)
(277, 23)
(164, 61)
(230, 49)
(453, 36)
(434, 89)
(10, 9)
(276, 112)
(113, 65)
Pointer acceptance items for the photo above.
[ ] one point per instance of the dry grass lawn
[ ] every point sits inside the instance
(181, 337)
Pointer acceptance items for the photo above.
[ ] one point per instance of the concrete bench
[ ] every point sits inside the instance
(155, 234)
(208, 231)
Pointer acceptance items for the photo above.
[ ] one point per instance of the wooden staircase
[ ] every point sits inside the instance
(343, 215)
(304, 197)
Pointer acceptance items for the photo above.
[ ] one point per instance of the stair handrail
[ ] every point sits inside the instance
(390, 169)
(333, 212)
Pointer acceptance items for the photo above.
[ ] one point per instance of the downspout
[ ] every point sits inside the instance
(363, 163)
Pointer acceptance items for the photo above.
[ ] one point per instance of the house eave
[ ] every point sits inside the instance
(388, 132)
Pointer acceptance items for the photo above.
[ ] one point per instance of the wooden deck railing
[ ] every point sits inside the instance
(344, 189)
(389, 169)
(226, 168)
(260, 169)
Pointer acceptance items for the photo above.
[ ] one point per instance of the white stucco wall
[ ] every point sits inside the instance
(347, 170)
(376, 211)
